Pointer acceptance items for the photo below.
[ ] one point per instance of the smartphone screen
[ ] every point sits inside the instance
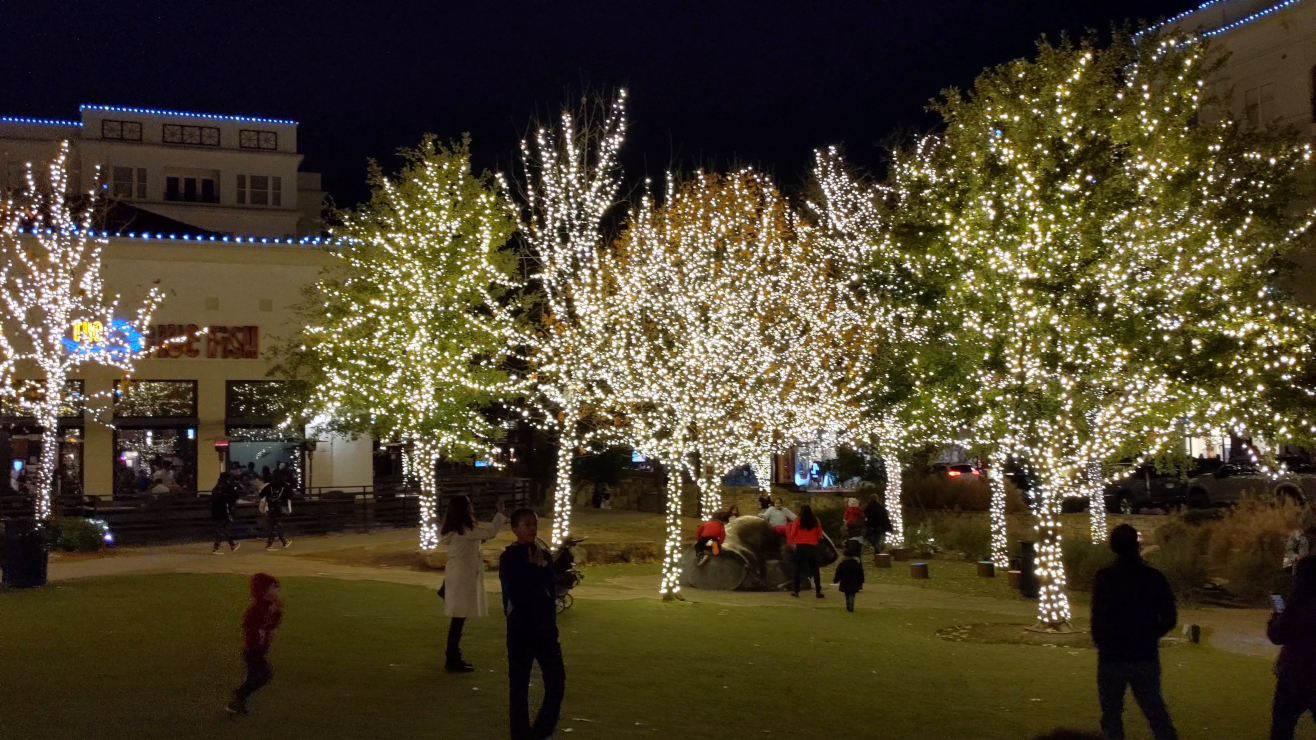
(1277, 601)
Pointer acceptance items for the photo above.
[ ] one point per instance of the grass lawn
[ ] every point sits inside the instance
(155, 657)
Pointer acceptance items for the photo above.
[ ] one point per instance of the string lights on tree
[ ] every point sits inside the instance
(409, 333)
(56, 313)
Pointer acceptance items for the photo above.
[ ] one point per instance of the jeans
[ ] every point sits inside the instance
(1292, 700)
(259, 674)
(274, 519)
(1144, 677)
(849, 602)
(806, 559)
(454, 654)
(224, 531)
(522, 653)
(877, 540)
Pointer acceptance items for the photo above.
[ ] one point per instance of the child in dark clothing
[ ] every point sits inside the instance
(258, 624)
(850, 574)
(530, 607)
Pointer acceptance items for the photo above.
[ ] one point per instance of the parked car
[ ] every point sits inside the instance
(963, 471)
(1146, 488)
(1227, 485)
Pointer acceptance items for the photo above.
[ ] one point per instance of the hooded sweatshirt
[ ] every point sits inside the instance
(262, 616)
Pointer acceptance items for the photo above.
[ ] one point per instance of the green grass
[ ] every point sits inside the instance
(155, 657)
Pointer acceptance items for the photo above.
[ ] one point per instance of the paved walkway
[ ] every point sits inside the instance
(1236, 630)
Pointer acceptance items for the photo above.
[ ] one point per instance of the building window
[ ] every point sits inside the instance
(21, 401)
(191, 135)
(144, 399)
(248, 139)
(260, 190)
(1259, 104)
(121, 130)
(129, 182)
(191, 189)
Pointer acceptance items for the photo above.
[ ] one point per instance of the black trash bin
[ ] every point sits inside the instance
(25, 556)
(1028, 586)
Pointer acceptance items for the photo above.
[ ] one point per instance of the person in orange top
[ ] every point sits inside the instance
(712, 532)
(805, 533)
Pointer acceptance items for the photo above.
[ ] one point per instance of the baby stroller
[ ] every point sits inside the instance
(567, 575)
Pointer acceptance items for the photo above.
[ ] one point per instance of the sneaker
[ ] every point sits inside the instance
(235, 708)
(216, 551)
(796, 594)
(234, 547)
(270, 548)
(286, 543)
(849, 607)
(820, 594)
(702, 559)
(458, 666)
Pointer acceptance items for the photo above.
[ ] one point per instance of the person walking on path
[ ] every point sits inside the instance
(223, 504)
(1132, 608)
(877, 523)
(850, 575)
(258, 625)
(530, 606)
(463, 575)
(276, 500)
(804, 534)
(1293, 627)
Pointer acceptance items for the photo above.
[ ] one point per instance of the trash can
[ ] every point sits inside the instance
(25, 555)
(1028, 587)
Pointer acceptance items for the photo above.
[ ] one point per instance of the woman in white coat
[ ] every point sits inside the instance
(463, 576)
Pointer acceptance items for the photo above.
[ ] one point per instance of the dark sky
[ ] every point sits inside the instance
(711, 82)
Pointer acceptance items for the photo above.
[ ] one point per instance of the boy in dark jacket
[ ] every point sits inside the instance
(1294, 628)
(223, 503)
(850, 574)
(530, 606)
(1132, 608)
(258, 624)
(278, 501)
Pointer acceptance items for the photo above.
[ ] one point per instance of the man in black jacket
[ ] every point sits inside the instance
(223, 503)
(1132, 608)
(530, 606)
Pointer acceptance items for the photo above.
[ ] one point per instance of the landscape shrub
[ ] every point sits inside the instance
(940, 492)
(921, 539)
(1083, 558)
(1253, 573)
(968, 535)
(78, 534)
(1178, 555)
(833, 523)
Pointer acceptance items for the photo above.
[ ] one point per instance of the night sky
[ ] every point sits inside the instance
(711, 83)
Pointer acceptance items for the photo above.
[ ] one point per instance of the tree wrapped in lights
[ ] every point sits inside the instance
(1116, 246)
(56, 312)
(408, 334)
(572, 182)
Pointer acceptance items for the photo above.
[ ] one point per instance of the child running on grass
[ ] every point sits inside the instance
(258, 624)
(850, 574)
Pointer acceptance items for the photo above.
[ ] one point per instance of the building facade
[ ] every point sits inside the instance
(231, 267)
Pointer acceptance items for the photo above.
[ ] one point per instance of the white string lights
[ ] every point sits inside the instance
(56, 313)
(409, 334)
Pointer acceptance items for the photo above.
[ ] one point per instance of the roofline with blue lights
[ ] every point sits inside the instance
(1225, 28)
(41, 121)
(182, 114)
(305, 241)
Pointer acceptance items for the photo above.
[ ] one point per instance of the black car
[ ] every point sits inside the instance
(1146, 488)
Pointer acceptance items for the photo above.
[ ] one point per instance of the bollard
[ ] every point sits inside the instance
(919, 570)
(882, 560)
(986, 569)
(1013, 576)
(900, 553)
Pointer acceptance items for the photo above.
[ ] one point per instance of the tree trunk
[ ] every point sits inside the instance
(672, 547)
(1053, 601)
(710, 494)
(997, 520)
(422, 461)
(562, 492)
(893, 505)
(1096, 503)
(763, 474)
(48, 420)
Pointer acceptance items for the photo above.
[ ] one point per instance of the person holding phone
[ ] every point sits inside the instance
(1292, 626)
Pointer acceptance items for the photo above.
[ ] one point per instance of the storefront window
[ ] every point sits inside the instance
(255, 401)
(30, 392)
(156, 461)
(258, 443)
(154, 399)
(22, 445)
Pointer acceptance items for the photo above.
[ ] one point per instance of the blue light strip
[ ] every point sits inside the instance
(1216, 32)
(42, 121)
(147, 236)
(154, 112)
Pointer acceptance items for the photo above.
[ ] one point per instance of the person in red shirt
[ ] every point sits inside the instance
(710, 535)
(805, 533)
(854, 520)
(258, 625)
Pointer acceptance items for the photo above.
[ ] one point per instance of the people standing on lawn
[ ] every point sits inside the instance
(276, 499)
(877, 523)
(463, 575)
(223, 504)
(1301, 541)
(710, 536)
(529, 583)
(1132, 608)
(778, 516)
(1293, 627)
(804, 534)
(850, 574)
(258, 625)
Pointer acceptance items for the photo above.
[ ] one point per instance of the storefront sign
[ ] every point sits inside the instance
(218, 342)
(117, 340)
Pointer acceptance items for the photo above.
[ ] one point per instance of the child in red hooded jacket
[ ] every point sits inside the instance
(258, 624)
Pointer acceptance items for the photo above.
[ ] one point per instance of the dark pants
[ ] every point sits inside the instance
(1292, 700)
(806, 564)
(259, 674)
(224, 531)
(1144, 677)
(274, 520)
(702, 546)
(455, 639)
(849, 602)
(522, 653)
